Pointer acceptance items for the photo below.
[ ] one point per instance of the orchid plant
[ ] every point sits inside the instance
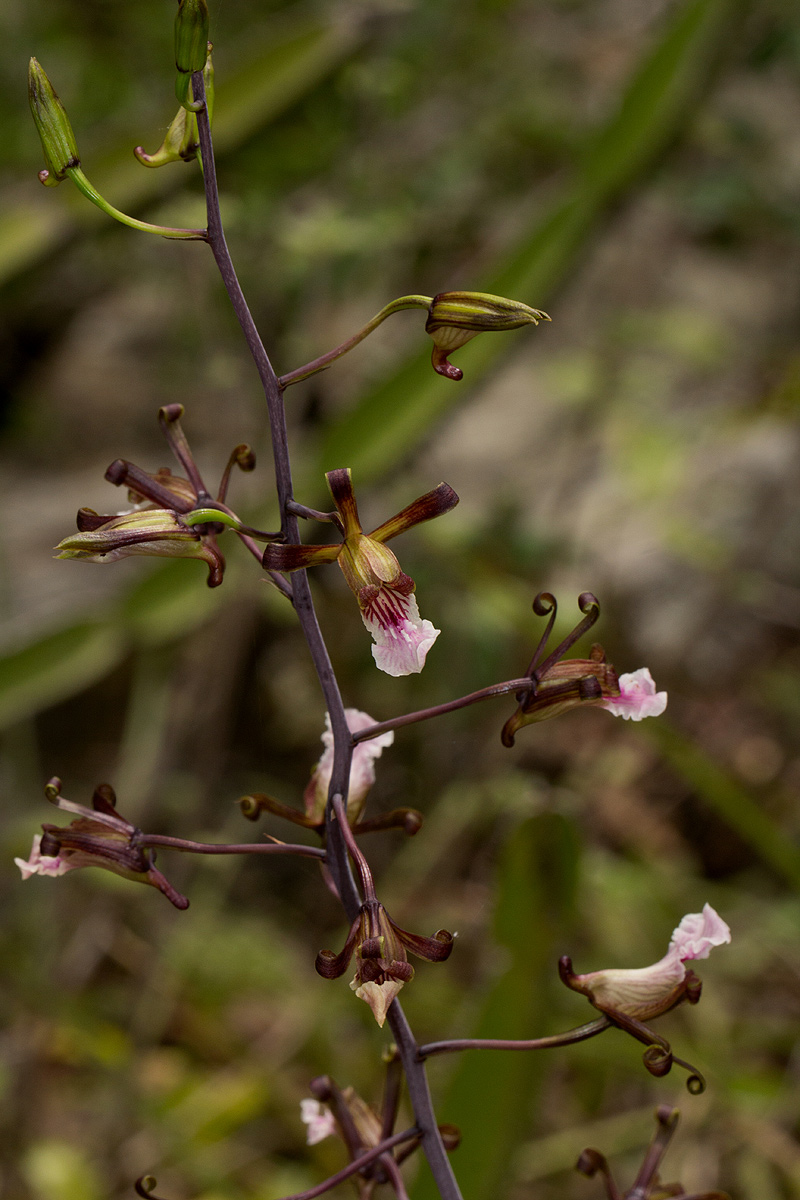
(177, 516)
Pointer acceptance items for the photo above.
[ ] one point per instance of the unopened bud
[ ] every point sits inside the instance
(191, 36)
(52, 123)
(456, 317)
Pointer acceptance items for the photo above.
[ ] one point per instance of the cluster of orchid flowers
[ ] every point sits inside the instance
(177, 516)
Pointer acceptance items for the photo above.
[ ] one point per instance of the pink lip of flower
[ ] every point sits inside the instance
(646, 992)
(638, 697)
(383, 591)
(319, 1119)
(362, 767)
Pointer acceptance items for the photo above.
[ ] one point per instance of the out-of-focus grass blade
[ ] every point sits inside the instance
(490, 1096)
(728, 798)
(276, 76)
(168, 603)
(388, 421)
(56, 667)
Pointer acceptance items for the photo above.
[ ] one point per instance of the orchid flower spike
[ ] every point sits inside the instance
(172, 517)
(382, 965)
(384, 593)
(559, 686)
(99, 837)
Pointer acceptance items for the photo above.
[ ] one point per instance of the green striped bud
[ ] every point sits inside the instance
(52, 123)
(456, 317)
(191, 36)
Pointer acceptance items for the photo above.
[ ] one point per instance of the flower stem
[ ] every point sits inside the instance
(580, 1034)
(90, 192)
(356, 1165)
(173, 843)
(325, 360)
(425, 714)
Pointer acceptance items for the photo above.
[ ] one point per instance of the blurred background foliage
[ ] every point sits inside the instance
(633, 166)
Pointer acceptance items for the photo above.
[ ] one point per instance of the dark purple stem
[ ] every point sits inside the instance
(580, 1034)
(425, 714)
(355, 1166)
(336, 860)
(189, 847)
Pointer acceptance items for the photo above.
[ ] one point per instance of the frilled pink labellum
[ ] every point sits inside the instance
(647, 992)
(402, 638)
(318, 1119)
(362, 767)
(44, 864)
(383, 591)
(637, 698)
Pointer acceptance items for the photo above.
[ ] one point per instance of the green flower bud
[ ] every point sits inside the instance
(52, 123)
(456, 317)
(191, 47)
(191, 36)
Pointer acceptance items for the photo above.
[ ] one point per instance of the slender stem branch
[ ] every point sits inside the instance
(356, 1165)
(91, 193)
(395, 1178)
(309, 514)
(367, 882)
(325, 360)
(580, 1034)
(425, 714)
(173, 843)
(420, 1095)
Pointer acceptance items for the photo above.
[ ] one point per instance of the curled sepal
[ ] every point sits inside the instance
(647, 1185)
(591, 1163)
(145, 1187)
(454, 318)
(53, 127)
(330, 965)
(434, 949)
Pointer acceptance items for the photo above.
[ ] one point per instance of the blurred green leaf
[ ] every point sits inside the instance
(57, 1170)
(728, 798)
(56, 667)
